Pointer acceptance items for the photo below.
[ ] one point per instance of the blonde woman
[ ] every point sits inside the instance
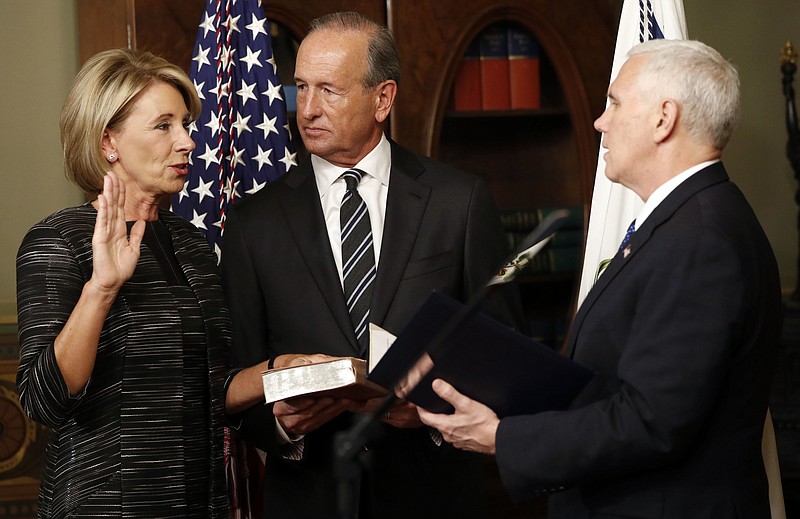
(122, 322)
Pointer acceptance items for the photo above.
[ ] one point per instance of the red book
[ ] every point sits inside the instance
(523, 69)
(467, 83)
(495, 90)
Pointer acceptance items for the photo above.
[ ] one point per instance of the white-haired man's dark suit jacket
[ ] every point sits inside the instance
(681, 332)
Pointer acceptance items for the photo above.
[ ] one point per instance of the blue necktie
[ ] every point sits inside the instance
(358, 257)
(628, 233)
(606, 262)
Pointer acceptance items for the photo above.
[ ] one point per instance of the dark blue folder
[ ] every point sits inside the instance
(483, 359)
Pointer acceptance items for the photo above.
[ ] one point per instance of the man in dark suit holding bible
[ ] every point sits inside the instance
(681, 329)
(362, 232)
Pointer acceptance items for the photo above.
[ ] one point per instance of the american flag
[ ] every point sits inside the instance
(242, 137)
(242, 143)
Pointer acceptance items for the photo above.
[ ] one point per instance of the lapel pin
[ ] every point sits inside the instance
(626, 251)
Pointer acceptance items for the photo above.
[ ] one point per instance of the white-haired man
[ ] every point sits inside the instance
(681, 328)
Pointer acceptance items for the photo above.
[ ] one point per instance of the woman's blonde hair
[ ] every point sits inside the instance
(101, 98)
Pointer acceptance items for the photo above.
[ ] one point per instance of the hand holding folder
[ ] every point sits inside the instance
(483, 359)
(479, 356)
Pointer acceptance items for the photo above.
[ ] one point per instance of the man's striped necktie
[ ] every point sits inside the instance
(358, 257)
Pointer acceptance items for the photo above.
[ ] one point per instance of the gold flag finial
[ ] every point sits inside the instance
(788, 54)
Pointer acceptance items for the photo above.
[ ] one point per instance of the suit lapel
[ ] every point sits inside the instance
(405, 207)
(704, 178)
(303, 211)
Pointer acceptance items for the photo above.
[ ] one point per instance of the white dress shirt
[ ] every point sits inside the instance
(373, 189)
(666, 188)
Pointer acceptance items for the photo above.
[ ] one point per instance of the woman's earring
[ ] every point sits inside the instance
(112, 157)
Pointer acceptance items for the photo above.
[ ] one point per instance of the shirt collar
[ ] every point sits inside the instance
(666, 188)
(377, 164)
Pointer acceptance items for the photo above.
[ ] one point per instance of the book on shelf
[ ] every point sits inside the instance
(495, 90)
(562, 260)
(523, 220)
(572, 237)
(523, 69)
(467, 82)
(344, 377)
(575, 216)
(564, 251)
(519, 219)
